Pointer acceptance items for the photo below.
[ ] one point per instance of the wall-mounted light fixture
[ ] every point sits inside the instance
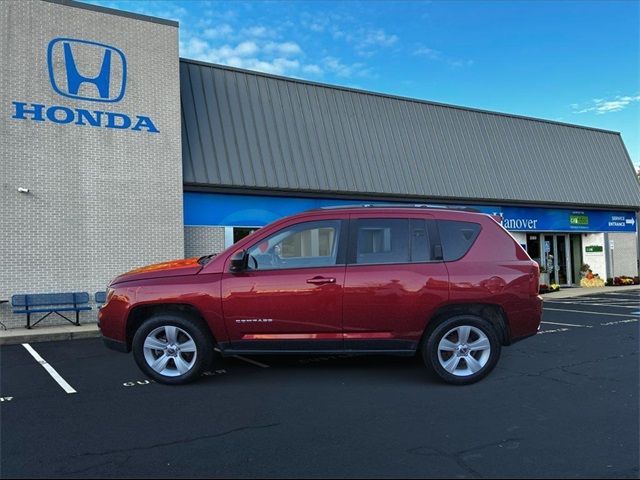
(23, 190)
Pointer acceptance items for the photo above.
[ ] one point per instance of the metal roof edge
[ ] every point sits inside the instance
(626, 152)
(205, 188)
(114, 11)
(386, 95)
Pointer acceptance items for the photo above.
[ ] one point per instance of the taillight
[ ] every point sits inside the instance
(534, 280)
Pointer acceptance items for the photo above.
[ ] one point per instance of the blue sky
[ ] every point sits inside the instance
(571, 61)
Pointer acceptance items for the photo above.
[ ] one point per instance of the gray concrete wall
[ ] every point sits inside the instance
(624, 254)
(199, 241)
(101, 200)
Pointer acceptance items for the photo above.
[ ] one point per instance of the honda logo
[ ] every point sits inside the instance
(87, 70)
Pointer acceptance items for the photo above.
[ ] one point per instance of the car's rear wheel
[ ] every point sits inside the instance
(462, 349)
(172, 349)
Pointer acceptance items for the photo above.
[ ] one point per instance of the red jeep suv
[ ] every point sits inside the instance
(451, 285)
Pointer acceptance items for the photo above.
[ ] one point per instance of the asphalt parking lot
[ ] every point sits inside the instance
(561, 404)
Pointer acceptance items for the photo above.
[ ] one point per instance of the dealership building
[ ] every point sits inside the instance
(117, 153)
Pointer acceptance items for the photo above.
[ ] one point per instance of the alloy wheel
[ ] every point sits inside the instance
(170, 351)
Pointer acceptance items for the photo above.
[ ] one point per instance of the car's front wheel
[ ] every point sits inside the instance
(462, 349)
(172, 349)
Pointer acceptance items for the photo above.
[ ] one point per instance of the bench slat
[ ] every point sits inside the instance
(53, 309)
(41, 299)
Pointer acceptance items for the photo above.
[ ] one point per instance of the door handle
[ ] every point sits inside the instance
(321, 280)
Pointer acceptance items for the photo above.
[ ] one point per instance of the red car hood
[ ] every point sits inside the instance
(188, 266)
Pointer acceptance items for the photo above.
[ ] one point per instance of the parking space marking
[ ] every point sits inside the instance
(629, 320)
(137, 383)
(567, 324)
(556, 330)
(586, 311)
(248, 360)
(589, 304)
(50, 370)
(625, 304)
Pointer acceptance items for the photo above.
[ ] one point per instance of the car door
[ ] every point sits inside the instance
(290, 297)
(394, 281)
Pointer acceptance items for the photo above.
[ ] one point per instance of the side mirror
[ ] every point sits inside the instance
(239, 261)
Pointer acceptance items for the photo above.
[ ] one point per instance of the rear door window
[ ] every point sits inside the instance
(457, 238)
(389, 240)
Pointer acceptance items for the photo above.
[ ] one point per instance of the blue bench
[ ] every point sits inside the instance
(49, 303)
(100, 297)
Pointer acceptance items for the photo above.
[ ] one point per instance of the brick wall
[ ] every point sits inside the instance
(102, 201)
(200, 241)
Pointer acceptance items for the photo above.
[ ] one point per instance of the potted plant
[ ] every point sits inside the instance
(584, 269)
(544, 275)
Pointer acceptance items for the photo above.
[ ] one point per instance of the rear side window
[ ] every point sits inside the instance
(457, 238)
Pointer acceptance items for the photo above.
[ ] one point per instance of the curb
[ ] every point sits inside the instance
(13, 337)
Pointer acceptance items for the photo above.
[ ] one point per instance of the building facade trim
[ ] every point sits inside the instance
(113, 11)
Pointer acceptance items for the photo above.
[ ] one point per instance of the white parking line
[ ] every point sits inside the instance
(556, 330)
(50, 370)
(598, 304)
(613, 305)
(248, 360)
(567, 324)
(630, 320)
(586, 311)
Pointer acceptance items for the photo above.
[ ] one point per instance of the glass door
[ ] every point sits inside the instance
(562, 271)
(556, 258)
(575, 241)
(548, 257)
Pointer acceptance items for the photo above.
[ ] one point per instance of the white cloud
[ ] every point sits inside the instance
(601, 106)
(427, 52)
(258, 31)
(194, 48)
(378, 38)
(277, 66)
(436, 55)
(248, 55)
(312, 69)
(221, 31)
(284, 48)
(245, 49)
(334, 65)
(366, 41)
(460, 63)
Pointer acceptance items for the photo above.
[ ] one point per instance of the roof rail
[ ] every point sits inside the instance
(403, 205)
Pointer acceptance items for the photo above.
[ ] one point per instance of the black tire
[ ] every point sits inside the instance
(199, 362)
(463, 376)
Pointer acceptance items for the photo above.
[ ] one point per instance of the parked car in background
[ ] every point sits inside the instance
(452, 286)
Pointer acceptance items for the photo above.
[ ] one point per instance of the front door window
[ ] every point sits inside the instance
(306, 245)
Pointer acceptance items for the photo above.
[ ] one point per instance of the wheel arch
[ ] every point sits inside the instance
(140, 313)
(492, 313)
